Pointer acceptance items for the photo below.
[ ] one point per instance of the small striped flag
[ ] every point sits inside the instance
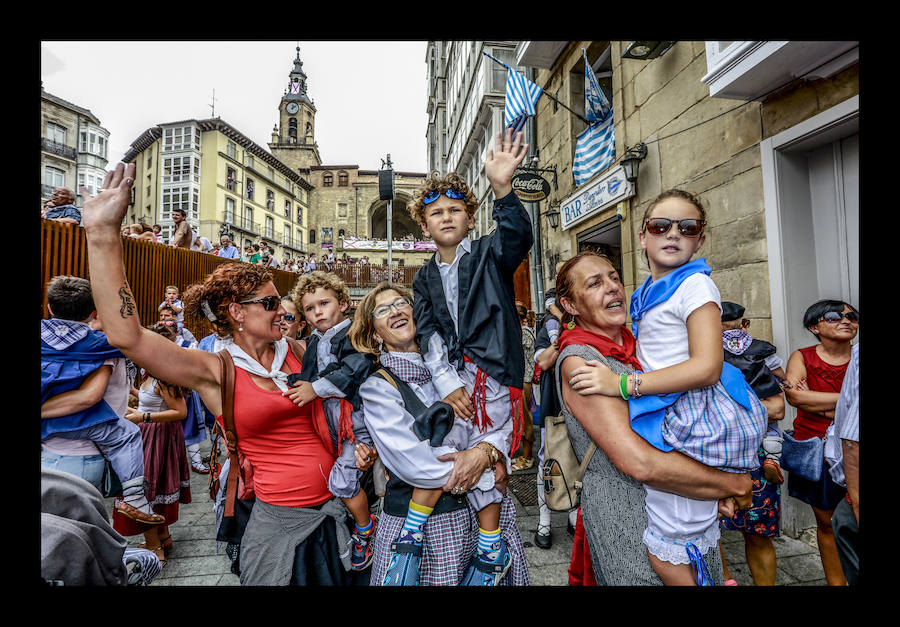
(521, 94)
(595, 148)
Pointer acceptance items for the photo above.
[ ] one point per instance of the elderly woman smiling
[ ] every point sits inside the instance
(384, 326)
(612, 502)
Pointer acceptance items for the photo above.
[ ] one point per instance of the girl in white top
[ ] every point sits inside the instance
(701, 408)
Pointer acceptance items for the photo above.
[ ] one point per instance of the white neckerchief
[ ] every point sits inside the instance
(243, 360)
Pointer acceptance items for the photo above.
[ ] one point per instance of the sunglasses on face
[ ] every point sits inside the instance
(382, 311)
(689, 228)
(834, 316)
(450, 193)
(289, 317)
(269, 303)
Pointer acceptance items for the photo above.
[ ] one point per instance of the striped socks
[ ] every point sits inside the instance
(488, 544)
(413, 526)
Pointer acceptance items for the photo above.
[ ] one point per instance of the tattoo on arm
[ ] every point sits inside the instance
(127, 308)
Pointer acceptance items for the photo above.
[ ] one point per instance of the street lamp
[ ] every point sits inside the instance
(552, 215)
(643, 50)
(631, 162)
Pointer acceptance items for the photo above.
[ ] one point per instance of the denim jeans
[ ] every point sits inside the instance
(88, 467)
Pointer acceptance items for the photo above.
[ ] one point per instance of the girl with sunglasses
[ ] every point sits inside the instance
(816, 374)
(686, 399)
(293, 325)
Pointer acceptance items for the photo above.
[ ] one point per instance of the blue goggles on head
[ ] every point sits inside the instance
(450, 193)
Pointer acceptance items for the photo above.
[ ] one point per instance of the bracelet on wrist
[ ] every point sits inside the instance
(623, 386)
(147, 416)
(636, 381)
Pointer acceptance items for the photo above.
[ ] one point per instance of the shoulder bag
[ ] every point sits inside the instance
(803, 457)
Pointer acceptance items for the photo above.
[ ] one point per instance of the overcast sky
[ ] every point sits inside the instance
(370, 97)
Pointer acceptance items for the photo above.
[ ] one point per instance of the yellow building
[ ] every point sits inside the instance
(224, 181)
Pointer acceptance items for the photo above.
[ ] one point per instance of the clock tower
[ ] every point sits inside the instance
(293, 138)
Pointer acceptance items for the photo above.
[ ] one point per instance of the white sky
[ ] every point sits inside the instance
(370, 97)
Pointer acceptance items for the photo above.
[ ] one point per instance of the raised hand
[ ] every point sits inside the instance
(107, 209)
(500, 166)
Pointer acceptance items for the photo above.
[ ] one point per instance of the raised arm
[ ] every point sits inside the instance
(606, 421)
(102, 219)
(514, 236)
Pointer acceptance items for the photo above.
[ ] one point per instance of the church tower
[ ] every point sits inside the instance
(293, 138)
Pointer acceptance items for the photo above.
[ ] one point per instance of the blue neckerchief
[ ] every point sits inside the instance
(62, 371)
(648, 411)
(651, 293)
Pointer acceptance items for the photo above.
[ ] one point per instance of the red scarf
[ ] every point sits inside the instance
(606, 346)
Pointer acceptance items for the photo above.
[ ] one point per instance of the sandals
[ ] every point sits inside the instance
(522, 463)
(167, 543)
(162, 558)
(200, 468)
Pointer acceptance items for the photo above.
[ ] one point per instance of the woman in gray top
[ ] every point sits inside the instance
(612, 500)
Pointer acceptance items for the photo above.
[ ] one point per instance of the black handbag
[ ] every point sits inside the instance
(110, 485)
(803, 457)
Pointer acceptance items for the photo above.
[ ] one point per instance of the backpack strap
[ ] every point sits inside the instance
(227, 387)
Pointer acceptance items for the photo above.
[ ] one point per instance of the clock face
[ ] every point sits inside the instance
(292, 107)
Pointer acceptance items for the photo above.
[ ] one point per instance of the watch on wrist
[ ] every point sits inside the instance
(146, 416)
(492, 453)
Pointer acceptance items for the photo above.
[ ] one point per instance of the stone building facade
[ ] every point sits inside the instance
(74, 148)
(765, 133)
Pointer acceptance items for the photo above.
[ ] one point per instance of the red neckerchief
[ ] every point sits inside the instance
(606, 346)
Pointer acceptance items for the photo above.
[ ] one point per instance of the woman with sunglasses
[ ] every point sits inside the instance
(686, 398)
(297, 529)
(815, 374)
(293, 325)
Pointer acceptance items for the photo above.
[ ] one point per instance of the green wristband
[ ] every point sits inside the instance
(623, 385)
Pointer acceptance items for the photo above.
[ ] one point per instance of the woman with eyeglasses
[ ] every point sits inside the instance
(695, 403)
(428, 540)
(815, 374)
(297, 530)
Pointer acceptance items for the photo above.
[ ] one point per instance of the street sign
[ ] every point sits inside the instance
(530, 187)
(603, 192)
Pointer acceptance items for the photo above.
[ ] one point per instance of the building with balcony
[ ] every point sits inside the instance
(73, 148)
(223, 180)
(764, 132)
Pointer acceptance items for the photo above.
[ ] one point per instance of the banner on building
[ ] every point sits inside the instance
(358, 243)
(595, 149)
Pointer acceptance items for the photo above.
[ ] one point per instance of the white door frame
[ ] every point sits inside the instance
(820, 129)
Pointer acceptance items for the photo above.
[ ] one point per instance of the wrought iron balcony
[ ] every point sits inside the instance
(67, 152)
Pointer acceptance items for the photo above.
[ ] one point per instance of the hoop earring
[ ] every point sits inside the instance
(570, 325)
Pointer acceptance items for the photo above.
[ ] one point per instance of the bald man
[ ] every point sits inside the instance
(61, 207)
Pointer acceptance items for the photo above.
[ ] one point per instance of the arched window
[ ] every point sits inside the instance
(342, 179)
(327, 179)
(312, 236)
(292, 127)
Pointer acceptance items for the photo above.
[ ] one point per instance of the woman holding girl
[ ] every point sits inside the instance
(694, 402)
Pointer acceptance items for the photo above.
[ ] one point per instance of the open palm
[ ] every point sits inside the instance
(109, 206)
(501, 164)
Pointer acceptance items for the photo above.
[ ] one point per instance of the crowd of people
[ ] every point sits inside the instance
(375, 449)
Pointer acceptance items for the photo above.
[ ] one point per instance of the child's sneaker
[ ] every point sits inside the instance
(403, 564)
(361, 553)
(487, 569)
(772, 472)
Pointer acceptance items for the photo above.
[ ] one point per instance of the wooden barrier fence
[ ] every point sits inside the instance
(150, 267)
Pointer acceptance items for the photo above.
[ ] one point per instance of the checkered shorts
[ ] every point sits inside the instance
(450, 541)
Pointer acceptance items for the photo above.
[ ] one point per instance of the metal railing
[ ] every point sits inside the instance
(58, 149)
(365, 275)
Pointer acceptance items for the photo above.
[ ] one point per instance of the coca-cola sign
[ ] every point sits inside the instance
(530, 187)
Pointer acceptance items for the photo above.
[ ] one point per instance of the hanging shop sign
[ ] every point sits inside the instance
(595, 197)
(530, 187)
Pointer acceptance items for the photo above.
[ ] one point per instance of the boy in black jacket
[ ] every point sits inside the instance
(467, 326)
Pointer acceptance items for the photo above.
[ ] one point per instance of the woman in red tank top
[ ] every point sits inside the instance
(815, 374)
(297, 538)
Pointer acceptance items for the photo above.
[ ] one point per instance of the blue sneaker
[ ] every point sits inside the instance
(403, 565)
(489, 568)
(361, 553)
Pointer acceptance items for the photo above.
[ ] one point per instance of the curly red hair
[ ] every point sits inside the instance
(228, 283)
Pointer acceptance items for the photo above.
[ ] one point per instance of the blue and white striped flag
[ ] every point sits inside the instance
(595, 148)
(521, 94)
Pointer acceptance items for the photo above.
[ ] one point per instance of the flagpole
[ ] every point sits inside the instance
(553, 98)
